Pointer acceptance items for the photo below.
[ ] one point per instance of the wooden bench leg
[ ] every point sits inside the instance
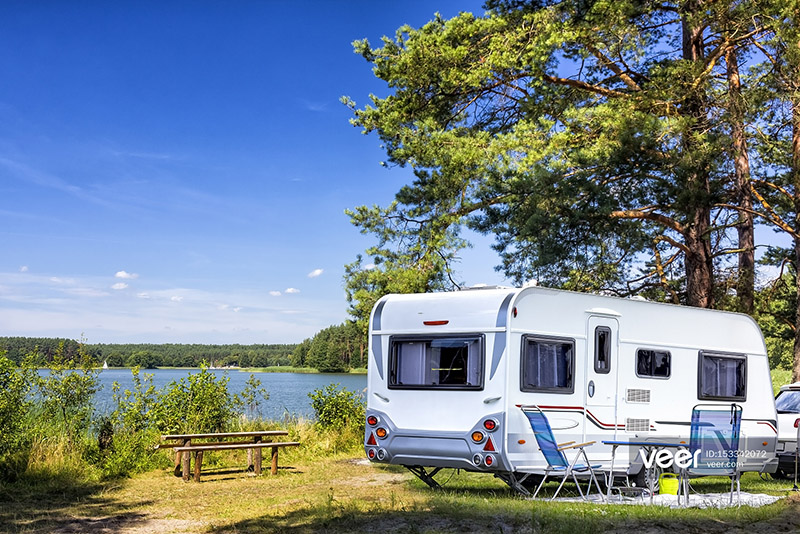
(198, 462)
(250, 464)
(187, 463)
(257, 461)
(179, 458)
(274, 468)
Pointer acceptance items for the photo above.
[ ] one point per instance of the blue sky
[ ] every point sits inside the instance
(178, 172)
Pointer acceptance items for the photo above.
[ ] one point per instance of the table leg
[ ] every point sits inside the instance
(274, 469)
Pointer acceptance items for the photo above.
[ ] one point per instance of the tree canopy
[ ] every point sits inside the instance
(628, 147)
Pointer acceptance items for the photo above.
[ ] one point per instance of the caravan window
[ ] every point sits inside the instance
(453, 362)
(547, 364)
(653, 363)
(602, 350)
(722, 376)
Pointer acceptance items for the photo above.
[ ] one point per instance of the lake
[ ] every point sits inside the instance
(288, 392)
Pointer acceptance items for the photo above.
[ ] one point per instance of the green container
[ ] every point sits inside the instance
(668, 484)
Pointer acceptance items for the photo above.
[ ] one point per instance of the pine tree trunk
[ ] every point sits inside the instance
(796, 182)
(698, 259)
(745, 287)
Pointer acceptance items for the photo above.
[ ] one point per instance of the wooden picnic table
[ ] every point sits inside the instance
(188, 445)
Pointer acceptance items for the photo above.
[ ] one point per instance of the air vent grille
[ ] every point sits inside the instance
(640, 396)
(637, 425)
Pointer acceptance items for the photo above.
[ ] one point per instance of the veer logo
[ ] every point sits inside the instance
(664, 458)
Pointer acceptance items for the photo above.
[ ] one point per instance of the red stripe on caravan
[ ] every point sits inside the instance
(769, 425)
(582, 410)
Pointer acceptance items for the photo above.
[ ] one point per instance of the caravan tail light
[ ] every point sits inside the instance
(796, 423)
(381, 432)
(372, 420)
(371, 454)
(489, 460)
(477, 436)
(490, 425)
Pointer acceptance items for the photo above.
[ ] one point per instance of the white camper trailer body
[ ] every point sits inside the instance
(448, 373)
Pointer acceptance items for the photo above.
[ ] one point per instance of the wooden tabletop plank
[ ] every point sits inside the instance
(228, 434)
(262, 445)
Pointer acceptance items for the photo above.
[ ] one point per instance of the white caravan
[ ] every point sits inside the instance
(448, 374)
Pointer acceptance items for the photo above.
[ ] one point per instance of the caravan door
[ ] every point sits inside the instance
(602, 369)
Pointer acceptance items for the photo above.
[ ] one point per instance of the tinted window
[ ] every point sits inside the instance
(547, 364)
(722, 376)
(788, 402)
(653, 363)
(447, 362)
(602, 349)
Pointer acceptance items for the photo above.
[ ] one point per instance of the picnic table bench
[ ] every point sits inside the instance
(188, 445)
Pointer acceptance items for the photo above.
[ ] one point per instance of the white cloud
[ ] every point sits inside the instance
(237, 309)
(120, 285)
(275, 293)
(143, 295)
(176, 298)
(125, 274)
(23, 269)
(291, 290)
(315, 273)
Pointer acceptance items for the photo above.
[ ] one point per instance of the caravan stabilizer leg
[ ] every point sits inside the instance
(514, 482)
(424, 476)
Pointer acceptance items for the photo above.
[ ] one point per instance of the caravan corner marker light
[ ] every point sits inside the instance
(796, 423)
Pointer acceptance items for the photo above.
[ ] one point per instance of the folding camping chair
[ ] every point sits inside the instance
(714, 444)
(557, 463)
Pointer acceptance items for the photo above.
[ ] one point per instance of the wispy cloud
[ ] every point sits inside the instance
(23, 268)
(275, 293)
(176, 298)
(119, 285)
(126, 275)
(315, 273)
(291, 290)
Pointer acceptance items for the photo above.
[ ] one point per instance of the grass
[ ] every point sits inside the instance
(324, 491)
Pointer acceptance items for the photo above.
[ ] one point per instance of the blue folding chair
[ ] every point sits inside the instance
(714, 444)
(557, 463)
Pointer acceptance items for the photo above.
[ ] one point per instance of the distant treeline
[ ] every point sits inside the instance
(149, 355)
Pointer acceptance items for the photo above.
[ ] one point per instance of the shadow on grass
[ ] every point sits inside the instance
(480, 509)
(47, 505)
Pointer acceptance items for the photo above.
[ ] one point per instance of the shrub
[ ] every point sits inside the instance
(337, 407)
(197, 403)
(14, 406)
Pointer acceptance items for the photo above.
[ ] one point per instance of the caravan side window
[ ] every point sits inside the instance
(722, 376)
(653, 363)
(548, 364)
(451, 362)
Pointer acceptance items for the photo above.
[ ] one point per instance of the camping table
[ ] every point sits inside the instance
(648, 446)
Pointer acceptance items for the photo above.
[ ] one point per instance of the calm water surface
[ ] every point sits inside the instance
(288, 392)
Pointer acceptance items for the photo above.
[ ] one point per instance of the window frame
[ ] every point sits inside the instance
(597, 331)
(652, 376)
(395, 340)
(701, 355)
(566, 390)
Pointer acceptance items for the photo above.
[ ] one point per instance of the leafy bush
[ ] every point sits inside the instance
(197, 403)
(67, 390)
(337, 408)
(14, 406)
